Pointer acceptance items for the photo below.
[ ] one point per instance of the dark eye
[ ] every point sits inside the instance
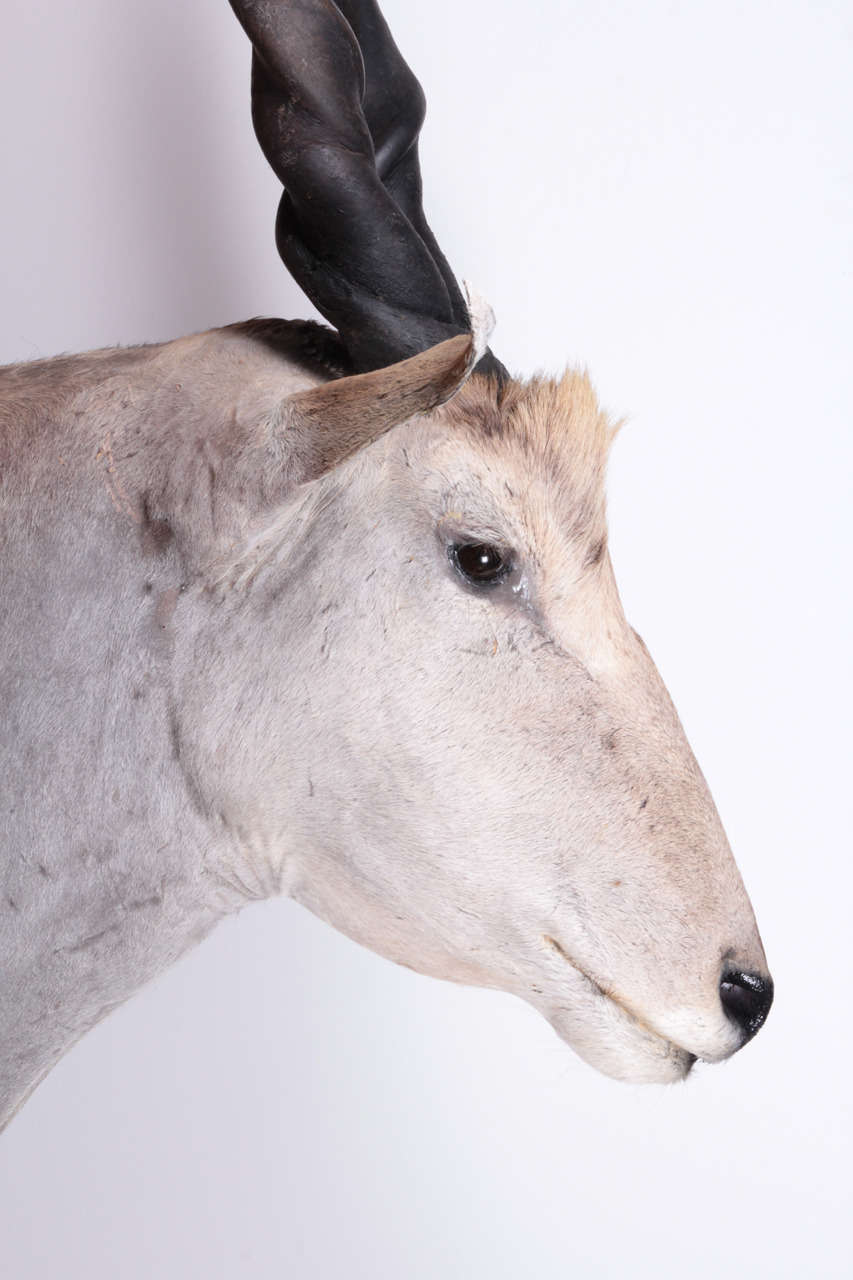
(480, 562)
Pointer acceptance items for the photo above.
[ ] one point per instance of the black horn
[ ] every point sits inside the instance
(337, 112)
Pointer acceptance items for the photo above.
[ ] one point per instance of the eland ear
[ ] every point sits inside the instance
(328, 423)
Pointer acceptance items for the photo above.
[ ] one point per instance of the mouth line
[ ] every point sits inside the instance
(623, 1008)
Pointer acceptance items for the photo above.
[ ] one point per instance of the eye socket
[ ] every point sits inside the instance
(480, 563)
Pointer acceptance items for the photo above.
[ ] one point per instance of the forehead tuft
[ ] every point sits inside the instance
(555, 427)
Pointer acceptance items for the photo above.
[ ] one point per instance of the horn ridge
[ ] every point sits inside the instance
(337, 112)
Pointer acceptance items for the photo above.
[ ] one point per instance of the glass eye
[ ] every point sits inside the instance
(480, 562)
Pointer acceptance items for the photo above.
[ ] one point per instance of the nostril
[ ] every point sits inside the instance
(746, 999)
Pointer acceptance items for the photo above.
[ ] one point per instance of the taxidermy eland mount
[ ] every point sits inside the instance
(330, 613)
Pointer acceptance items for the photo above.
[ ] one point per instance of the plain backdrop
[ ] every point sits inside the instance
(661, 192)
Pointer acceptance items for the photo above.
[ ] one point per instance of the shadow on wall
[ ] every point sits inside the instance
(178, 212)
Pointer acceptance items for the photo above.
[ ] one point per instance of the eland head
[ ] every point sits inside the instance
(334, 615)
(492, 783)
(517, 797)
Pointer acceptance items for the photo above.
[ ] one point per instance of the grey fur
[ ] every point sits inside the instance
(226, 674)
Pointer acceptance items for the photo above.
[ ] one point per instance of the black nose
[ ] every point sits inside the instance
(746, 999)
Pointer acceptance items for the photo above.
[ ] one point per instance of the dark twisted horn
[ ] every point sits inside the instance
(337, 113)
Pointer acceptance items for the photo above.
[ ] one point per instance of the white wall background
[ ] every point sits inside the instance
(663, 192)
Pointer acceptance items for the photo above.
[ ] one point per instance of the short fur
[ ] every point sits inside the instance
(238, 662)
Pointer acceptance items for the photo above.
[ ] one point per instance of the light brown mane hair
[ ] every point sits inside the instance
(559, 428)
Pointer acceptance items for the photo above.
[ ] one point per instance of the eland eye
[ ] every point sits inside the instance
(480, 562)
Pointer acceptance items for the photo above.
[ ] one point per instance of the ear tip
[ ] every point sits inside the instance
(456, 356)
(463, 344)
(464, 355)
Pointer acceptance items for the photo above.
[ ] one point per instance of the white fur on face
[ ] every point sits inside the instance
(502, 792)
(250, 617)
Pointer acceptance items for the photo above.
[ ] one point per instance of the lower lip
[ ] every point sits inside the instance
(689, 1058)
